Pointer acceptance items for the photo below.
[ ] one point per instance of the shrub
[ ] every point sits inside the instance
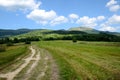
(2, 48)
(74, 39)
(27, 42)
(9, 44)
(16, 40)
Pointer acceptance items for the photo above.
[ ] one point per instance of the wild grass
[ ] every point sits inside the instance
(2, 48)
(85, 60)
(11, 54)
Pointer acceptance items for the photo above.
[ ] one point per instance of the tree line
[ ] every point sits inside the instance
(4, 42)
(82, 37)
(88, 37)
(17, 40)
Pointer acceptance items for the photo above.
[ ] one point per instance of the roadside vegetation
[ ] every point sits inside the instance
(11, 54)
(11, 41)
(2, 48)
(85, 60)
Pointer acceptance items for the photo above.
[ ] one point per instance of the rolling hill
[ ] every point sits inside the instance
(92, 31)
(10, 32)
(45, 33)
(85, 29)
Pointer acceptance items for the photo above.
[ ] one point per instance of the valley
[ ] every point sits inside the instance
(63, 60)
(59, 39)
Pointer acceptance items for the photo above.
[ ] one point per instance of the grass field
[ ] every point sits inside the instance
(85, 60)
(11, 54)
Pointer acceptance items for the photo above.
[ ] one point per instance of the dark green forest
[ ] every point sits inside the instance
(24, 35)
(67, 35)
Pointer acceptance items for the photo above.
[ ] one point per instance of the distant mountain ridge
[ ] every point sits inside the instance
(92, 31)
(81, 28)
(38, 32)
(85, 29)
(10, 32)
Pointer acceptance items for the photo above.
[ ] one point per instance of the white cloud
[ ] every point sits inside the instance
(113, 5)
(111, 24)
(46, 17)
(105, 27)
(86, 21)
(115, 19)
(100, 18)
(42, 16)
(89, 22)
(58, 20)
(114, 8)
(73, 17)
(19, 4)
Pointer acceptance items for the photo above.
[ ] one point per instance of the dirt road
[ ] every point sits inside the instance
(39, 65)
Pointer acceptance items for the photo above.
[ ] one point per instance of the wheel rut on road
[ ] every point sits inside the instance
(38, 66)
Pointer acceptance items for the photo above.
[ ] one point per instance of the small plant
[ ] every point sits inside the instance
(74, 40)
(2, 48)
(9, 44)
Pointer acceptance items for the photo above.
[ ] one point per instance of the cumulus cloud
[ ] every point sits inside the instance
(90, 22)
(73, 17)
(100, 18)
(105, 27)
(111, 2)
(111, 24)
(113, 5)
(86, 21)
(114, 8)
(46, 17)
(42, 16)
(19, 4)
(115, 19)
(58, 20)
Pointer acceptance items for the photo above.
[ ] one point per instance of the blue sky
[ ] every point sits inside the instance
(60, 14)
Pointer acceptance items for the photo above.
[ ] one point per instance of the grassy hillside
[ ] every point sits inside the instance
(33, 33)
(85, 60)
(92, 31)
(85, 29)
(80, 33)
(69, 35)
(46, 34)
(59, 33)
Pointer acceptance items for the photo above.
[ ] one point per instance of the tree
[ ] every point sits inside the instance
(15, 40)
(27, 42)
(2, 41)
(6, 39)
(9, 44)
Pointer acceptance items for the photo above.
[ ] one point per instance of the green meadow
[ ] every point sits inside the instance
(75, 61)
(85, 60)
